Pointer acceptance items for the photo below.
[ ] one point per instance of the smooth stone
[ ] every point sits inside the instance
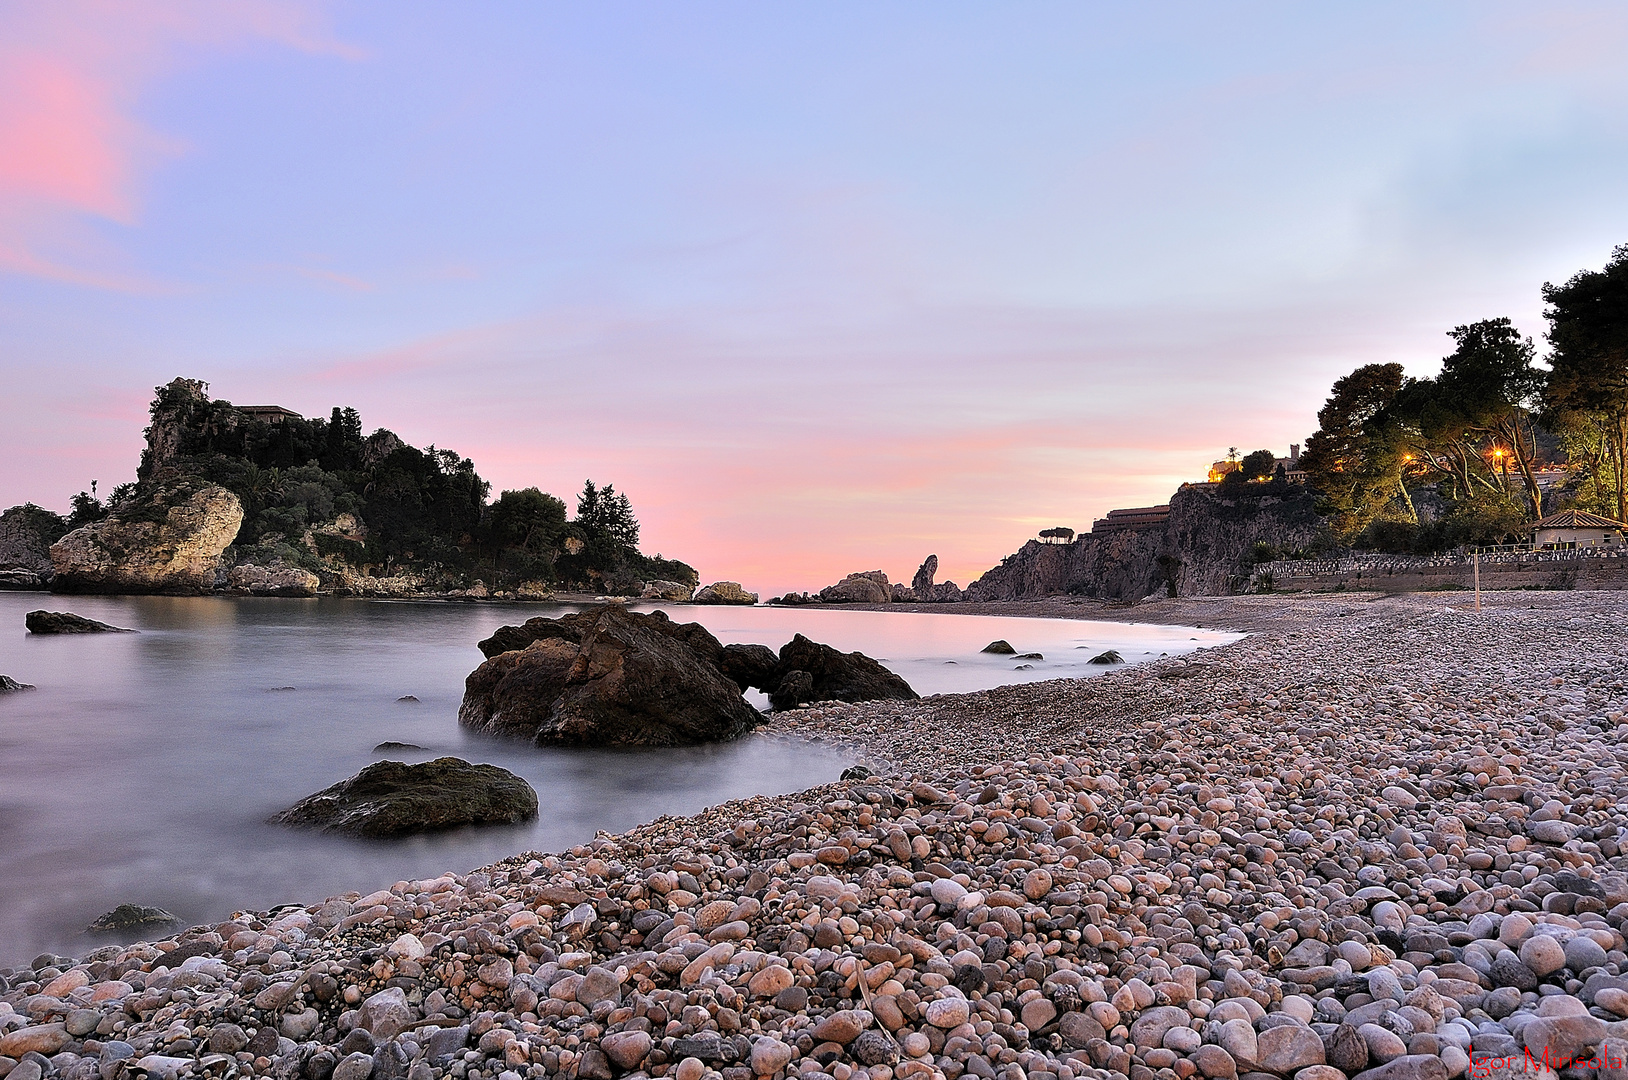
(1288, 1048)
(1542, 955)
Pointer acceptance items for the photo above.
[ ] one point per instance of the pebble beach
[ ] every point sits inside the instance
(1378, 838)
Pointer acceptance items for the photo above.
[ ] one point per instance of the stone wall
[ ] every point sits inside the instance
(1405, 573)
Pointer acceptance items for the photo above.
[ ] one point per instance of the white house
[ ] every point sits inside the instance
(1574, 527)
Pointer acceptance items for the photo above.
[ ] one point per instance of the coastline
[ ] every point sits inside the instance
(1053, 879)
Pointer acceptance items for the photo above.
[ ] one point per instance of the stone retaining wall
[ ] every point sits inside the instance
(1501, 570)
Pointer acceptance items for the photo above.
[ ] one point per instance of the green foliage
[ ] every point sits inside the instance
(1355, 459)
(1588, 362)
(1256, 466)
(85, 509)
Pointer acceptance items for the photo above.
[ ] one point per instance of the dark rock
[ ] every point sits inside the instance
(1346, 1049)
(390, 798)
(750, 665)
(922, 583)
(26, 535)
(66, 622)
(1110, 657)
(408, 698)
(795, 688)
(1507, 970)
(856, 772)
(839, 676)
(607, 677)
(8, 685)
(131, 917)
(1032, 656)
(1000, 648)
(446, 1043)
(391, 745)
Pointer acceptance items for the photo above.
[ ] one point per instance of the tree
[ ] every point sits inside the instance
(1258, 465)
(1355, 458)
(529, 518)
(1490, 382)
(1588, 361)
(603, 513)
(87, 508)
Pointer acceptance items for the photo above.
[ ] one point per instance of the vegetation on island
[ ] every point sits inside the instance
(319, 495)
(1496, 440)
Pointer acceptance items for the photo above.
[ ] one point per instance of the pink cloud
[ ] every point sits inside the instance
(71, 147)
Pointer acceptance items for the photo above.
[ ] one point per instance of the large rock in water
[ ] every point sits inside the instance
(606, 677)
(26, 535)
(66, 622)
(809, 671)
(392, 798)
(870, 587)
(166, 540)
(723, 592)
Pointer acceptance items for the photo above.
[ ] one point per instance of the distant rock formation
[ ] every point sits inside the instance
(869, 587)
(675, 591)
(168, 541)
(1199, 551)
(723, 592)
(392, 798)
(254, 580)
(924, 591)
(606, 677)
(810, 671)
(26, 535)
(923, 581)
(8, 685)
(66, 622)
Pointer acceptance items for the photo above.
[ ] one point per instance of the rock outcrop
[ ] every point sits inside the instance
(606, 677)
(1199, 551)
(392, 798)
(8, 685)
(923, 581)
(809, 671)
(723, 592)
(26, 535)
(253, 580)
(167, 540)
(869, 587)
(66, 622)
(675, 591)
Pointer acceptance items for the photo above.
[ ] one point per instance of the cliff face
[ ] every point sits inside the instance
(168, 542)
(1202, 546)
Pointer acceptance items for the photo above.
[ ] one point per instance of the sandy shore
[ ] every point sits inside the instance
(1378, 837)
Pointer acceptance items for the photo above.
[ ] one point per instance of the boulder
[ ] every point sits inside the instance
(23, 580)
(131, 917)
(272, 581)
(794, 599)
(167, 539)
(8, 685)
(1111, 656)
(66, 622)
(391, 798)
(794, 688)
(750, 665)
(999, 647)
(675, 591)
(904, 594)
(836, 676)
(723, 592)
(870, 587)
(606, 677)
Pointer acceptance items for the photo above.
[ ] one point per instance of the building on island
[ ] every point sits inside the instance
(1576, 528)
(1290, 465)
(271, 414)
(1136, 517)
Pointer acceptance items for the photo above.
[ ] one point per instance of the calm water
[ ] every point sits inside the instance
(143, 768)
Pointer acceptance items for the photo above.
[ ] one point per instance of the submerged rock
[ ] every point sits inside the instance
(606, 677)
(168, 539)
(723, 592)
(8, 685)
(392, 798)
(132, 917)
(1109, 657)
(66, 622)
(1000, 647)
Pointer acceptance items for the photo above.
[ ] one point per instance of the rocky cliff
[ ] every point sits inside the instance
(1201, 550)
(26, 535)
(167, 541)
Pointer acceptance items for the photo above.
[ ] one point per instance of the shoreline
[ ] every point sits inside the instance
(1148, 874)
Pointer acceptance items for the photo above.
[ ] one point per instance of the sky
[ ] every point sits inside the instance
(822, 287)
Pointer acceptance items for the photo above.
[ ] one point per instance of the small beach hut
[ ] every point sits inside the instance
(1575, 528)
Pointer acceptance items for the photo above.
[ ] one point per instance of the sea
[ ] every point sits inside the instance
(143, 766)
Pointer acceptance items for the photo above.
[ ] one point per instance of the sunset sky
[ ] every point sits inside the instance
(822, 287)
